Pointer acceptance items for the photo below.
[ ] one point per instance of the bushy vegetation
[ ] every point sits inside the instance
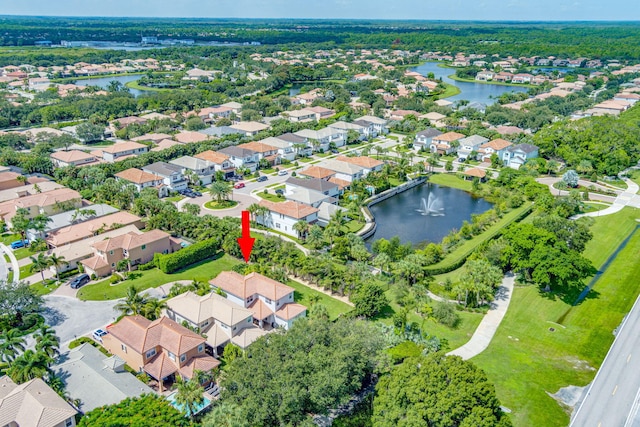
(169, 263)
(149, 410)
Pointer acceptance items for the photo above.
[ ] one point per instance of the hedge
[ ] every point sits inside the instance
(197, 252)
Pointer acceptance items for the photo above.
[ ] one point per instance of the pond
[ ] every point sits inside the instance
(425, 213)
(473, 92)
(103, 82)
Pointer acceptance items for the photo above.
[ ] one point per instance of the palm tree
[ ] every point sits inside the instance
(189, 395)
(153, 308)
(12, 342)
(253, 209)
(220, 190)
(41, 263)
(29, 365)
(132, 304)
(22, 179)
(301, 227)
(47, 341)
(56, 261)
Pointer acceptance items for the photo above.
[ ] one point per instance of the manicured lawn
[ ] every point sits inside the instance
(270, 197)
(174, 198)
(352, 226)
(44, 288)
(7, 238)
(302, 293)
(305, 159)
(26, 271)
(594, 207)
(225, 204)
(204, 271)
(526, 360)
(450, 180)
(450, 90)
(23, 253)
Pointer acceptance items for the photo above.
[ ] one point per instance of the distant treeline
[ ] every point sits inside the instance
(592, 40)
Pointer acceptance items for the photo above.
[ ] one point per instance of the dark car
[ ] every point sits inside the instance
(79, 281)
(335, 152)
(197, 193)
(279, 191)
(262, 178)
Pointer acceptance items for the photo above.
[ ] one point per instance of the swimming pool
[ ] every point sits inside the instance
(172, 399)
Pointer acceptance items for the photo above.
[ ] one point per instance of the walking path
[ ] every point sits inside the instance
(628, 197)
(344, 299)
(489, 325)
(14, 261)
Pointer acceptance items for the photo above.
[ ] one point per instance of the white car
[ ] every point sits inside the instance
(98, 334)
(283, 173)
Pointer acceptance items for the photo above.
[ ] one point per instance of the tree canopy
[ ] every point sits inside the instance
(148, 410)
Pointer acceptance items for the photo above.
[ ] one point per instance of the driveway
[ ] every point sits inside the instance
(72, 318)
(244, 201)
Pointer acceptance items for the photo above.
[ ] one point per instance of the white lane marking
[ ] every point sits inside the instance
(614, 391)
(629, 358)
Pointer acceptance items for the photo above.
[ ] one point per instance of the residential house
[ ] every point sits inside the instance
(424, 138)
(320, 185)
(264, 151)
(33, 404)
(402, 114)
(321, 112)
(283, 216)
(284, 149)
(236, 107)
(321, 139)
(303, 115)
(522, 78)
(469, 145)
(250, 128)
(367, 164)
(49, 203)
(502, 76)
(445, 143)
(152, 137)
(121, 150)
(62, 158)
(219, 112)
(68, 218)
(96, 380)
(171, 174)
(162, 348)
(220, 319)
(270, 301)
(308, 97)
(517, 155)
(200, 170)
(308, 197)
(631, 98)
(344, 170)
(220, 161)
(10, 180)
(241, 157)
(189, 137)
(475, 173)
(300, 144)
(123, 122)
(379, 125)
(92, 227)
(165, 144)
(326, 211)
(318, 172)
(496, 146)
(141, 179)
(485, 76)
(136, 248)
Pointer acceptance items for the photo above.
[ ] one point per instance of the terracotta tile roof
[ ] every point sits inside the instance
(200, 308)
(290, 311)
(130, 240)
(212, 156)
(258, 147)
(203, 363)
(160, 366)
(71, 156)
(475, 172)
(164, 144)
(317, 172)
(8, 176)
(251, 284)
(122, 146)
(341, 183)
(95, 262)
(138, 176)
(250, 126)
(363, 161)
(289, 208)
(47, 199)
(142, 335)
(449, 136)
(496, 144)
(260, 310)
(89, 228)
(187, 136)
(152, 137)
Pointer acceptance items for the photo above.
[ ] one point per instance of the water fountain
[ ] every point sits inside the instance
(432, 206)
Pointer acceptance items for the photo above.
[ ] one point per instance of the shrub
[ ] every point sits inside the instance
(170, 263)
(445, 313)
(147, 266)
(115, 279)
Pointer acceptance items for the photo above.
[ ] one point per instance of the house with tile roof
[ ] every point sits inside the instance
(63, 158)
(470, 144)
(136, 248)
(282, 216)
(33, 404)
(141, 179)
(194, 168)
(122, 149)
(379, 125)
(250, 128)
(69, 218)
(48, 203)
(162, 348)
(344, 170)
(9, 180)
(497, 146)
(221, 162)
(368, 164)
(424, 138)
(317, 172)
(270, 301)
(188, 137)
(221, 320)
(152, 137)
(92, 227)
(171, 174)
(264, 151)
(445, 143)
(320, 185)
(241, 157)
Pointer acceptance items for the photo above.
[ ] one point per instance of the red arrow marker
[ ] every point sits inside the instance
(246, 241)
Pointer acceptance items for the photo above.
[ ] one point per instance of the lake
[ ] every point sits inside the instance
(103, 82)
(473, 92)
(404, 215)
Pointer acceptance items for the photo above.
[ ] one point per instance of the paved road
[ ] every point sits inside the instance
(628, 197)
(613, 399)
(489, 325)
(14, 261)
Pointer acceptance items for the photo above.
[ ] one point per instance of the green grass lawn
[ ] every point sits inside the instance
(526, 360)
(352, 226)
(634, 176)
(302, 293)
(46, 287)
(594, 207)
(270, 197)
(450, 180)
(305, 159)
(204, 271)
(450, 90)
(26, 271)
(225, 204)
(23, 253)
(174, 198)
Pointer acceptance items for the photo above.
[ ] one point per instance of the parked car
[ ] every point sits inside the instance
(262, 178)
(239, 185)
(335, 152)
(98, 334)
(197, 193)
(19, 244)
(280, 191)
(283, 173)
(79, 281)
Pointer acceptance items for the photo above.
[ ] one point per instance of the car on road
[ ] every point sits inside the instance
(98, 334)
(79, 281)
(262, 178)
(239, 185)
(283, 173)
(335, 152)
(197, 193)
(19, 244)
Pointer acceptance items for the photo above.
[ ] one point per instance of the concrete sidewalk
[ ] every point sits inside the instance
(489, 325)
(14, 262)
